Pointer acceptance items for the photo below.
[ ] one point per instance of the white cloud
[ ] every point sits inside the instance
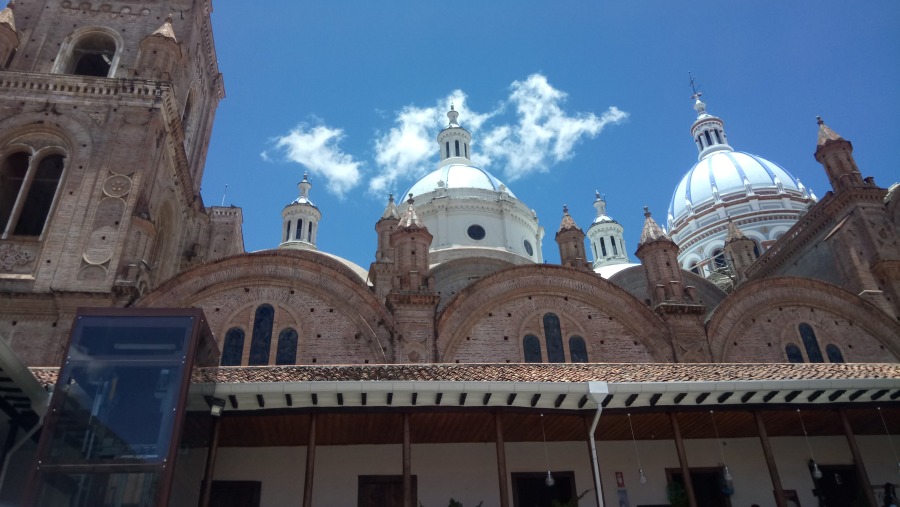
(406, 150)
(542, 136)
(316, 148)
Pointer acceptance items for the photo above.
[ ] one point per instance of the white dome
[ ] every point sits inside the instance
(457, 176)
(724, 176)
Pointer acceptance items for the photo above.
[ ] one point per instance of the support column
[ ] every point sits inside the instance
(857, 460)
(407, 464)
(682, 459)
(770, 460)
(210, 462)
(501, 461)
(310, 462)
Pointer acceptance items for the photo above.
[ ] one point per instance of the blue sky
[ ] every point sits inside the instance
(562, 98)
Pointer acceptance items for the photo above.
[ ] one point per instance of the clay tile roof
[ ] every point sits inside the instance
(529, 372)
(7, 17)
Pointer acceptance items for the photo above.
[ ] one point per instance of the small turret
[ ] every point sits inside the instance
(410, 242)
(659, 255)
(570, 239)
(606, 237)
(740, 250)
(836, 154)
(160, 54)
(381, 271)
(300, 220)
(9, 36)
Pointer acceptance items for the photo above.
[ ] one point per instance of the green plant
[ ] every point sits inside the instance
(454, 503)
(573, 502)
(676, 494)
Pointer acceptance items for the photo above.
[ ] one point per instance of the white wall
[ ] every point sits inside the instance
(468, 472)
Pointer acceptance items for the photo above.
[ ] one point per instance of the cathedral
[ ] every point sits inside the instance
(745, 351)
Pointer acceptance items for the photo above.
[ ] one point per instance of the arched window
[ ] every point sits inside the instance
(262, 335)
(793, 353)
(578, 349)
(603, 246)
(233, 347)
(531, 347)
(612, 243)
(447, 144)
(553, 336)
(808, 336)
(299, 230)
(28, 187)
(287, 347)
(756, 249)
(287, 231)
(92, 55)
(834, 353)
(694, 268)
(457, 147)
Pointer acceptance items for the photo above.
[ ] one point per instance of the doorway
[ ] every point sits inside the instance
(531, 490)
(383, 491)
(839, 486)
(235, 494)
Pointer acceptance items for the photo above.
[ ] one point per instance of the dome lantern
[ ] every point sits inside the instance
(454, 142)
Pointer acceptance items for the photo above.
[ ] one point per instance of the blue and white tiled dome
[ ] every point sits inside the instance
(761, 197)
(726, 175)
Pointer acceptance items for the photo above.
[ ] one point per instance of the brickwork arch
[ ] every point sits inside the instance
(756, 322)
(339, 320)
(487, 321)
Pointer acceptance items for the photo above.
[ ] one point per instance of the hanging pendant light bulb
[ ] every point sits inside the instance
(549, 481)
(816, 473)
(641, 477)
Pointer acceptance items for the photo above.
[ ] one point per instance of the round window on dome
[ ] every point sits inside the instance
(476, 232)
(528, 249)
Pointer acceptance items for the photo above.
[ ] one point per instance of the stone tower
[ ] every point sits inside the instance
(570, 239)
(108, 115)
(412, 298)
(669, 297)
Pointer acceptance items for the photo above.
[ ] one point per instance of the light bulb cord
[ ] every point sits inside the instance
(546, 453)
(716, 430)
(806, 436)
(888, 434)
(634, 441)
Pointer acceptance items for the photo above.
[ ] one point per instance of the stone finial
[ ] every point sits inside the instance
(390, 211)
(410, 219)
(453, 115)
(568, 223)
(651, 231)
(166, 30)
(825, 133)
